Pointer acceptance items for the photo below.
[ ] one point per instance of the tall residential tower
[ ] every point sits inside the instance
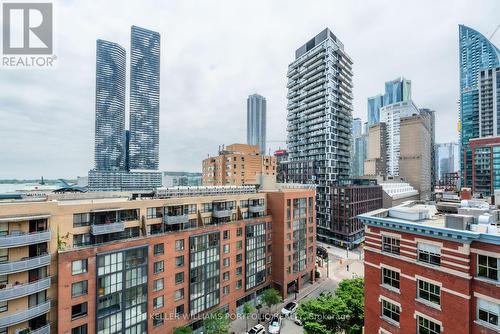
(256, 121)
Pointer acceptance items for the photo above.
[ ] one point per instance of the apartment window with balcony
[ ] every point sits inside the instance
(80, 329)
(81, 219)
(430, 254)
(488, 313)
(179, 245)
(427, 326)
(3, 307)
(390, 311)
(158, 267)
(79, 267)
(79, 289)
(157, 302)
(158, 284)
(179, 294)
(159, 249)
(390, 278)
(487, 267)
(429, 292)
(391, 245)
(78, 311)
(179, 278)
(179, 261)
(128, 215)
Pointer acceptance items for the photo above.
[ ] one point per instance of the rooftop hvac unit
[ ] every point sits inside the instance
(458, 222)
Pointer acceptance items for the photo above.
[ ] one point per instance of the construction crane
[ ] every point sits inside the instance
(494, 32)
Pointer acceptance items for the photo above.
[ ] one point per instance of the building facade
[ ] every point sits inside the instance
(447, 160)
(476, 53)
(430, 115)
(376, 157)
(374, 104)
(489, 102)
(320, 114)
(106, 263)
(485, 165)
(256, 121)
(281, 158)
(237, 164)
(428, 272)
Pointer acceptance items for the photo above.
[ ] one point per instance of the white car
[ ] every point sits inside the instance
(257, 329)
(288, 309)
(274, 325)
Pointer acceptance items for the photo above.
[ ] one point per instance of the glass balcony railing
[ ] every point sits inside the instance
(179, 219)
(23, 239)
(256, 208)
(115, 227)
(29, 263)
(25, 315)
(220, 213)
(13, 291)
(42, 330)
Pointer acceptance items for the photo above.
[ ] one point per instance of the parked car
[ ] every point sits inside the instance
(257, 329)
(288, 309)
(274, 325)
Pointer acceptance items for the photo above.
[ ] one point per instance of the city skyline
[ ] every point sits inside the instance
(49, 128)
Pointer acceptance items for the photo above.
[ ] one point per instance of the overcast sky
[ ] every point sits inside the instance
(213, 55)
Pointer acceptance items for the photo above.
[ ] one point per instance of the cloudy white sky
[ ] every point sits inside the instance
(214, 54)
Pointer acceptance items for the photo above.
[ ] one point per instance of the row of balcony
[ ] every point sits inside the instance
(11, 267)
(17, 239)
(22, 290)
(27, 314)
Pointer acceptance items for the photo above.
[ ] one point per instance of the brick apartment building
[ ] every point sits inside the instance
(485, 165)
(428, 272)
(114, 263)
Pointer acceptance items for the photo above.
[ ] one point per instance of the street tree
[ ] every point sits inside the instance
(247, 310)
(216, 323)
(271, 297)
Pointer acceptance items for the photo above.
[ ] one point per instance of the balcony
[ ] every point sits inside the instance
(21, 290)
(23, 239)
(42, 330)
(256, 208)
(180, 219)
(221, 213)
(25, 315)
(23, 265)
(107, 228)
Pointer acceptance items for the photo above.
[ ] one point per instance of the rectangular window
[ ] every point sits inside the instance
(426, 326)
(225, 276)
(179, 278)
(226, 234)
(81, 219)
(429, 254)
(239, 245)
(79, 267)
(391, 245)
(488, 312)
(390, 278)
(80, 240)
(239, 258)
(179, 294)
(238, 284)
(79, 289)
(157, 302)
(158, 284)
(158, 320)
(226, 262)
(79, 330)
(159, 249)
(239, 271)
(158, 267)
(179, 245)
(226, 248)
(225, 290)
(179, 261)
(78, 310)
(239, 232)
(487, 267)
(179, 309)
(430, 292)
(390, 311)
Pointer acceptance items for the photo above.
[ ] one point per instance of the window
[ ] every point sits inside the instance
(226, 248)
(79, 289)
(179, 310)
(158, 284)
(81, 240)
(488, 312)
(226, 234)
(429, 254)
(179, 294)
(158, 267)
(78, 310)
(192, 208)
(3, 307)
(390, 245)
(157, 302)
(239, 284)
(225, 276)
(390, 278)
(487, 267)
(226, 262)
(390, 311)
(81, 219)
(152, 213)
(179, 245)
(79, 267)
(158, 320)
(239, 245)
(426, 326)
(79, 330)
(179, 261)
(179, 278)
(239, 271)
(159, 249)
(428, 291)
(225, 290)
(239, 258)
(239, 232)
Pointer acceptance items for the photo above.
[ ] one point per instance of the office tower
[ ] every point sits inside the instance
(376, 158)
(374, 104)
(144, 99)
(397, 90)
(415, 161)
(489, 102)
(108, 263)
(430, 115)
(449, 262)
(320, 113)
(357, 129)
(447, 161)
(256, 121)
(390, 115)
(237, 164)
(476, 53)
(109, 151)
(485, 165)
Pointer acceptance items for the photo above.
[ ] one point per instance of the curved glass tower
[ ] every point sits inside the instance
(110, 106)
(476, 52)
(144, 99)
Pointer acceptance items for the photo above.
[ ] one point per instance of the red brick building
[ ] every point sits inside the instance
(426, 272)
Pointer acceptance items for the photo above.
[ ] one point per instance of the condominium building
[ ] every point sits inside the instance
(447, 160)
(429, 114)
(360, 155)
(485, 165)
(489, 102)
(281, 158)
(320, 114)
(476, 53)
(256, 121)
(116, 263)
(376, 157)
(237, 164)
(374, 104)
(431, 272)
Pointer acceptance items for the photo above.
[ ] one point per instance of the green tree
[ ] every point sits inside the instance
(247, 310)
(342, 311)
(183, 330)
(271, 297)
(216, 323)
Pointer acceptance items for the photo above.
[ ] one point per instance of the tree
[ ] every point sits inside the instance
(183, 330)
(342, 311)
(216, 323)
(247, 310)
(271, 297)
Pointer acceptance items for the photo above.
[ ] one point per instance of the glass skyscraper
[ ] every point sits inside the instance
(256, 121)
(374, 104)
(397, 90)
(476, 52)
(144, 99)
(110, 106)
